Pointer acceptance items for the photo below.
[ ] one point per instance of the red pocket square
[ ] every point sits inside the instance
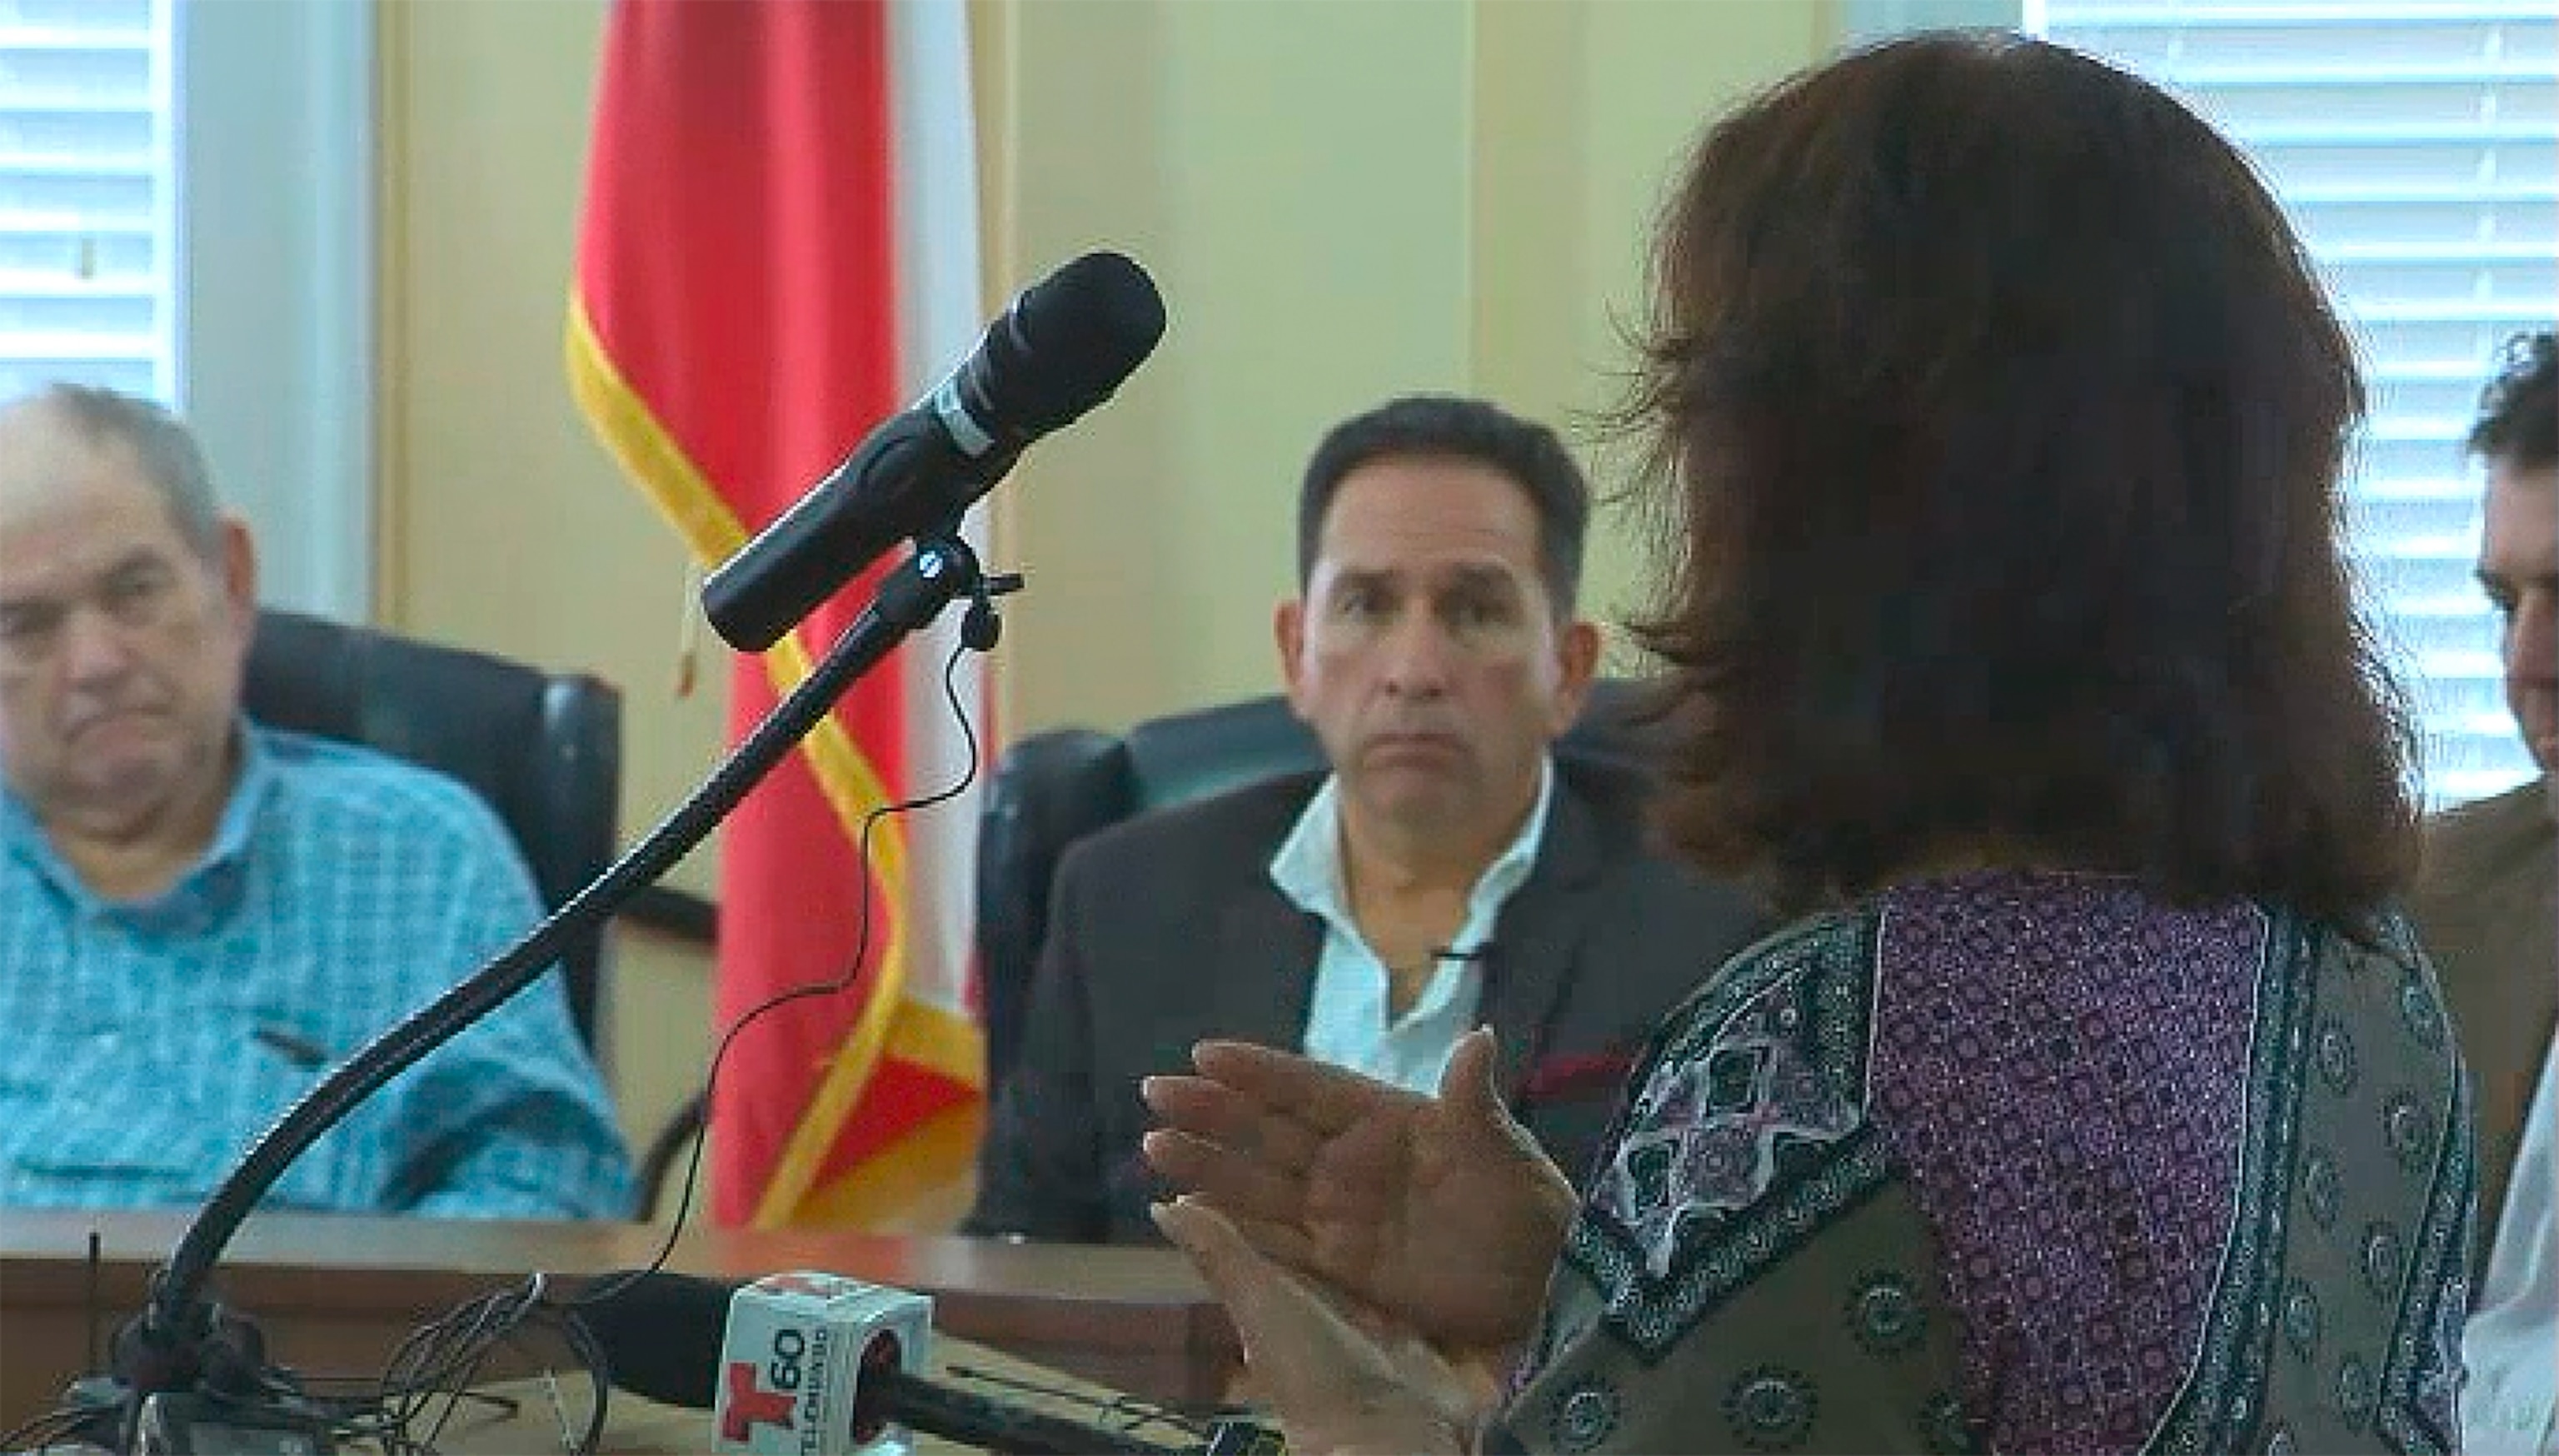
(1582, 1076)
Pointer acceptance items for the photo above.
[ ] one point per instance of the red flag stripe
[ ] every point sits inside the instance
(734, 333)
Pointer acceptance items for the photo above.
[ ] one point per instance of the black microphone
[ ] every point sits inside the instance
(775, 1356)
(1062, 347)
(660, 1334)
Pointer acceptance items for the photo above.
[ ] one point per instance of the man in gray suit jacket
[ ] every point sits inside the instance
(2486, 903)
(1449, 871)
(2486, 908)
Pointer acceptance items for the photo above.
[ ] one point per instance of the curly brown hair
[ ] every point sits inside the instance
(1996, 420)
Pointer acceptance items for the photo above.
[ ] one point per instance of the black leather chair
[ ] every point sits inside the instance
(1052, 789)
(545, 749)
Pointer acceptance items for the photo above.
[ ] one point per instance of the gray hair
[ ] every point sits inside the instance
(166, 449)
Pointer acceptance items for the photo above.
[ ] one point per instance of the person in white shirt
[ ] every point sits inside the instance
(2511, 1406)
(2487, 909)
(1454, 865)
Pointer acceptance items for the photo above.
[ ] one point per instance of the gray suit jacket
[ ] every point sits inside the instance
(1167, 928)
(2487, 910)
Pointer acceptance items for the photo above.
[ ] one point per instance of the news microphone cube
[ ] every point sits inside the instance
(792, 1363)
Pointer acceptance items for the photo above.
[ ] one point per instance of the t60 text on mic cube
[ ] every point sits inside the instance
(792, 1359)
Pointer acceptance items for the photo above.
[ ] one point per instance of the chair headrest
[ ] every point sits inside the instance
(467, 714)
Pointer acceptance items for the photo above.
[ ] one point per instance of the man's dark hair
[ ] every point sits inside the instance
(1969, 558)
(2518, 420)
(1446, 428)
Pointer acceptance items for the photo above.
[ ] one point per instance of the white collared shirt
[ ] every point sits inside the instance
(2511, 1344)
(1347, 1017)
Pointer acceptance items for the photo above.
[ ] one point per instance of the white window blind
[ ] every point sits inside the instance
(186, 213)
(88, 262)
(2415, 144)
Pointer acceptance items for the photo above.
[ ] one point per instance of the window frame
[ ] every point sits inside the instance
(275, 130)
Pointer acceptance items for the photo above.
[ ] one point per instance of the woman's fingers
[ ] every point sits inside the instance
(1293, 1328)
(1225, 1177)
(1333, 1384)
(1278, 1318)
(1323, 1098)
(1212, 1113)
(1466, 1083)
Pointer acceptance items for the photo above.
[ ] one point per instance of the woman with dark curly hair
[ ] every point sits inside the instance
(2098, 1098)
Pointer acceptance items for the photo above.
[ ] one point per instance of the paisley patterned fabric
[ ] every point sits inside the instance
(2024, 1162)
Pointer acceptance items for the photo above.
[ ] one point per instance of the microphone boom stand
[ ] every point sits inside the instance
(181, 1340)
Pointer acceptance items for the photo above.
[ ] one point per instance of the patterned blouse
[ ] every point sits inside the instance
(2025, 1162)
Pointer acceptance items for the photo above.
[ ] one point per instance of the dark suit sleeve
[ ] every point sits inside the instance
(1039, 1169)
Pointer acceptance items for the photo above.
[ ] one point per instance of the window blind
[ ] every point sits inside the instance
(2415, 144)
(88, 250)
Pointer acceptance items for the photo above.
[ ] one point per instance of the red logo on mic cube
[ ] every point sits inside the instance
(791, 1357)
(744, 1404)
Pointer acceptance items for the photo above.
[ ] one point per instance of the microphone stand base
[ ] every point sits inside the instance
(200, 1425)
(99, 1401)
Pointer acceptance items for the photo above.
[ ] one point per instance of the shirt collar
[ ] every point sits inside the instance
(1307, 868)
(249, 793)
(208, 886)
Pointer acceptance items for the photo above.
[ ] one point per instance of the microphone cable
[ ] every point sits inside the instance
(442, 1360)
(842, 981)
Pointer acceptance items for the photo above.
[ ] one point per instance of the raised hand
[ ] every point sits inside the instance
(1343, 1383)
(1438, 1212)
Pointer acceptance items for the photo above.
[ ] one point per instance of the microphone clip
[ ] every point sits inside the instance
(981, 627)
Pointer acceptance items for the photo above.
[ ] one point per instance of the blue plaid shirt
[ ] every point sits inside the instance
(148, 1042)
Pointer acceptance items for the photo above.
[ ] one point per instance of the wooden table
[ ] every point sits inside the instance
(637, 1427)
(540, 1415)
(337, 1294)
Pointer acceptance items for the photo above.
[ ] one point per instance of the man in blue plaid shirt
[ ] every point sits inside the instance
(199, 915)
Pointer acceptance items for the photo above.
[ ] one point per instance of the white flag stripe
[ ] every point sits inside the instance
(939, 315)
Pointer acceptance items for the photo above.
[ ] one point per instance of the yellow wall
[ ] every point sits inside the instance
(503, 525)
(1341, 200)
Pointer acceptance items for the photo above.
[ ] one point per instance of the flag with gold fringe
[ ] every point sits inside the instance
(778, 247)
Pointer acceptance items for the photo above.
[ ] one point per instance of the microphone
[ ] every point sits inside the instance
(1062, 346)
(814, 1364)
